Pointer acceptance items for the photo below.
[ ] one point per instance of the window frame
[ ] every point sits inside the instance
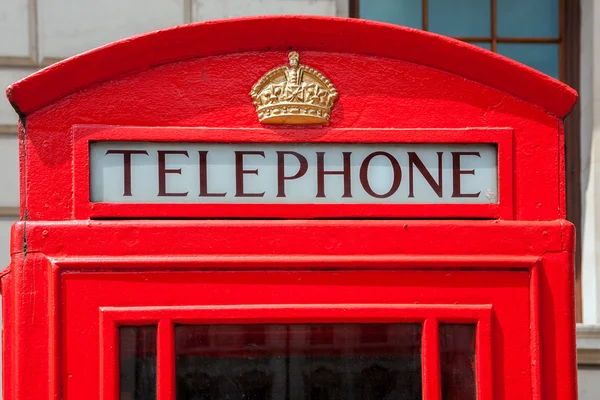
(493, 39)
(430, 316)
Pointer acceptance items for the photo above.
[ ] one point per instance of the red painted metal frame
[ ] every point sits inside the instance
(135, 246)
(199, 76)
(84, 209)
(166, 317)
(430, 314)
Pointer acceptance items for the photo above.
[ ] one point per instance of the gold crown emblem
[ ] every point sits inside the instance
(294, 95)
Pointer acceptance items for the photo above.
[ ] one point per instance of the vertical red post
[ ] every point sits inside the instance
(165, 371)
(431, 360)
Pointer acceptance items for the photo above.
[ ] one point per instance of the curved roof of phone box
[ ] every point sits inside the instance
(326, 34)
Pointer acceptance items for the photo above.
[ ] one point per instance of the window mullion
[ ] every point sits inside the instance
(494, 27)
(425, 14)
(431, 360)
(165, 369)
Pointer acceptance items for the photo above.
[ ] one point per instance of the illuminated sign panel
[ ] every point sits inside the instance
(158, 172)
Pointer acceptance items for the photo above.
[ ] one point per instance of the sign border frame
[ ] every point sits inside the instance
(83, 208)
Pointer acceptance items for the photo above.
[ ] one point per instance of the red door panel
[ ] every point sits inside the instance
(95, 306)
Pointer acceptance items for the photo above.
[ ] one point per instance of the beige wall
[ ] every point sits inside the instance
(589, 388)
(588, 333)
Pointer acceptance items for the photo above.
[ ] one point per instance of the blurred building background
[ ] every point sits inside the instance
(558, 37)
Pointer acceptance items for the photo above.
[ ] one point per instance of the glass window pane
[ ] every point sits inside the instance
(483, 45)
(541, 56)
(457, 361)
(298, 361)
(460, 18)
(137, 362)
(401, 12)
(528, 18)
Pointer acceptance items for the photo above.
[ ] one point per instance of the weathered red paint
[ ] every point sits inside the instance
(77, 270)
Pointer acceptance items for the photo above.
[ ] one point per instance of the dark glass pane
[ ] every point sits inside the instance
(400, 12)
(137, 362)
(483, 45)
(542, 56)
(528, 18)
(457, 361)
(463, 18)
(298, 361)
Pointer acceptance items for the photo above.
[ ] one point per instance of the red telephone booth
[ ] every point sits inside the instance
(290, 208)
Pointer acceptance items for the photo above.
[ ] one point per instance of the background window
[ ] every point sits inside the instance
(528, 31)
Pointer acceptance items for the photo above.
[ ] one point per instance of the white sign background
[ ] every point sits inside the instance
(107, 173)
